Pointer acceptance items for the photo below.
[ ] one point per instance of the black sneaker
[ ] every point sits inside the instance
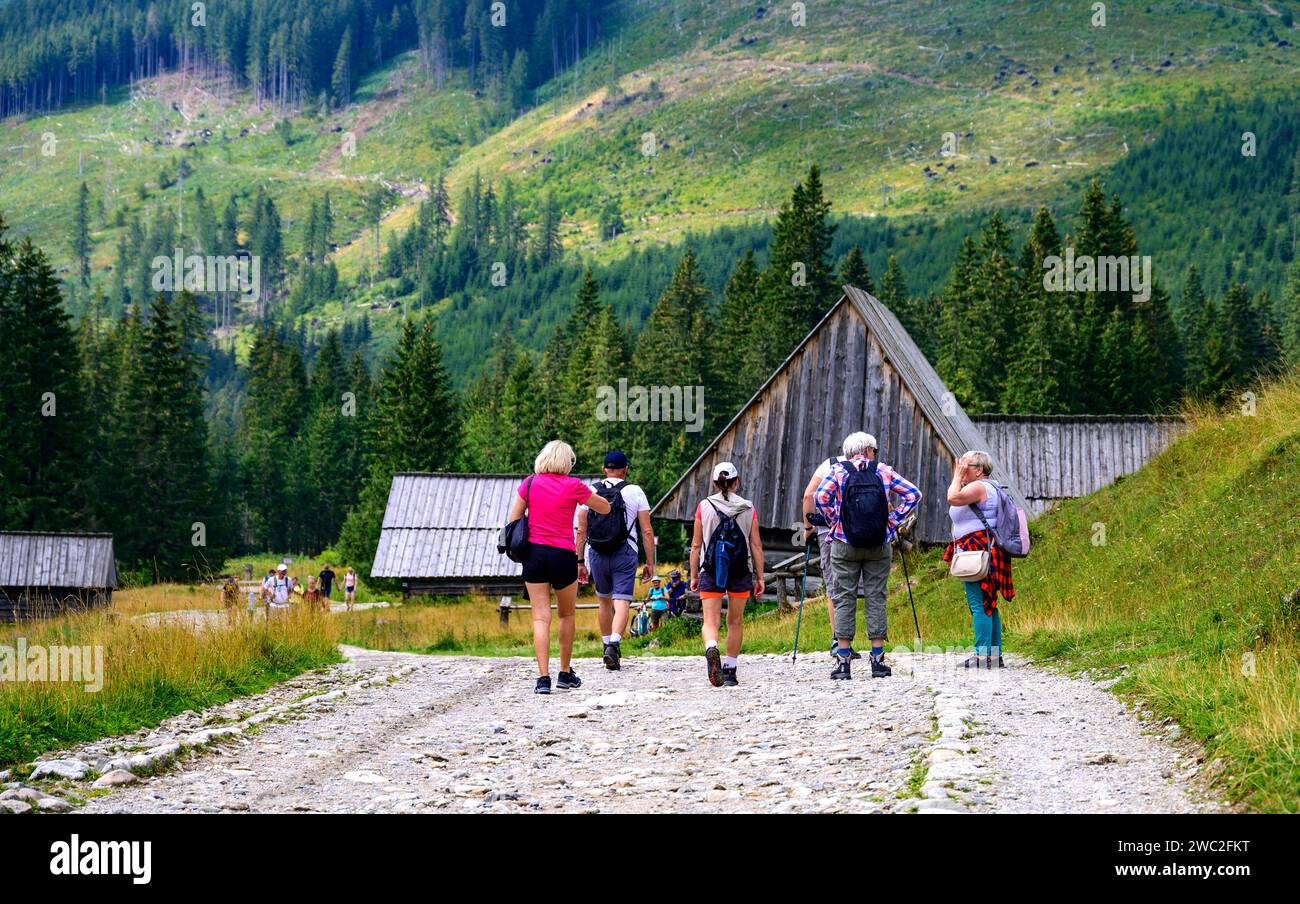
(729, 677)
(714, 662)
(612, 657)
(972, 662)
(879, 669)
(1001, 664)
(568, 680)
(543, 685)
(842, 671)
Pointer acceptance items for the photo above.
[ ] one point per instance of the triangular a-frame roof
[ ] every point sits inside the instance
(857, 369)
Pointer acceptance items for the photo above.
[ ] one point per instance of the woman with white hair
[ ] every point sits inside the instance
(550, 497)
(973, 508)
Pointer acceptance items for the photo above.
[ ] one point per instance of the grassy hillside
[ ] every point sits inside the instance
(739, 100)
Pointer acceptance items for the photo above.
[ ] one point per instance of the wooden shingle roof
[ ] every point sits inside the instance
(57, 560)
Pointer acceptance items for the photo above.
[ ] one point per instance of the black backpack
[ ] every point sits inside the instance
(608, 533)
(864, 510)
(728, 551)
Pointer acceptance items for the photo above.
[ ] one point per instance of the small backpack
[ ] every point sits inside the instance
(607, 533)
(728, 551)
(1012, 532)
(864, 510)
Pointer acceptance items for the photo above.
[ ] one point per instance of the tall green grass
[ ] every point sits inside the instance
(151, 671)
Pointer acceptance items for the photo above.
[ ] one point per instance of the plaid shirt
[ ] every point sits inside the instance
(830, 495)
(999, 577)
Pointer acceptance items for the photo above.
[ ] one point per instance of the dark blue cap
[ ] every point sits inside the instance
(615, 459)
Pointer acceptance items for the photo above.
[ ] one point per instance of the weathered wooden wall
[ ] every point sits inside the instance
(1056, 458)
(840, 380)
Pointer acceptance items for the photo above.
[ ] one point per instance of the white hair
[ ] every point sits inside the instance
(858, 444)
(981, 460)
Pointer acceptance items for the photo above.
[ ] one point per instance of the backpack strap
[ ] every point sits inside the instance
(974, 507)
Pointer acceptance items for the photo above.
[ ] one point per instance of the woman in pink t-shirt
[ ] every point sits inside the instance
(551, 496)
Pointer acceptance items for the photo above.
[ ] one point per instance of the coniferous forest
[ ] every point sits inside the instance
(193, 424)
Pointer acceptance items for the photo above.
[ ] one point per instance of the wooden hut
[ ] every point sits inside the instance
(1058, 458)
(48, 574)
(857, 370)
(439, 535)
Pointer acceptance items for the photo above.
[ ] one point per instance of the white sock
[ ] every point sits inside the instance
(728, 662)
(606, 638)
(711, 645)
(615, 637)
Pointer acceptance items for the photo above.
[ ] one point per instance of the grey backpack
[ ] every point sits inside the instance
(1012, 532)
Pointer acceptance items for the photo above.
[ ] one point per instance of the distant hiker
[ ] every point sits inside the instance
(676, 592)
(550, 497)
(327, 577)
(230, 596)
(280, 589)
(265, 585)
(971, 490)
(350, 588)
(313, 596)
(854, 500)
(813, 520)
(607, 551)
(726, 560)
(657, 597)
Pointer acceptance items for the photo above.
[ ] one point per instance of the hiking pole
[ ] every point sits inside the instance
(807, 556)
(908, 578)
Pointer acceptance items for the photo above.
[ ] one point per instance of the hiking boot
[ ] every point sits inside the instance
(543, 685)
(612, 657)
(972, 662)
(714, 662)
(988, 662)
(729, 677)
(1001, 664)
(842, 671)
(568, 680)
(879, 669)
(853, 654)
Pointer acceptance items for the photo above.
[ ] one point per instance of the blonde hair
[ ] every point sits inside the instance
(981, 460)
(556, 457)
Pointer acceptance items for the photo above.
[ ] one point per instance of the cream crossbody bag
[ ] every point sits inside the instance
(970, 564)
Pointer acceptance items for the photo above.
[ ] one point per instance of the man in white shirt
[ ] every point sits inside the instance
(610, 545)
(281, 587)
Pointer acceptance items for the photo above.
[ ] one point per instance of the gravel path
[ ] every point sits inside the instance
(390, 732)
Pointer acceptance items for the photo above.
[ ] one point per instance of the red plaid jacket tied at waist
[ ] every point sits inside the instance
(999, 576)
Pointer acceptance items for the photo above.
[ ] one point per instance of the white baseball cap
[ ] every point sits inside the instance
(283, 567)
(726, 469)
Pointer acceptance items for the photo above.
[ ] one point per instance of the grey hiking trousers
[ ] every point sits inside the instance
(870, 567)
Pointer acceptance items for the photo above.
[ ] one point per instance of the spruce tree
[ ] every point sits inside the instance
(81, 235)
(414, 426)
(854, 271)
(42, 415)
(673, 349)
(733, 338)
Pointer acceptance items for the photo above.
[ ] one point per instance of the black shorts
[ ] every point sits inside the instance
(550, 565)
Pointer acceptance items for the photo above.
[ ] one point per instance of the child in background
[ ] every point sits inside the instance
(313, 597)
(658, 600)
